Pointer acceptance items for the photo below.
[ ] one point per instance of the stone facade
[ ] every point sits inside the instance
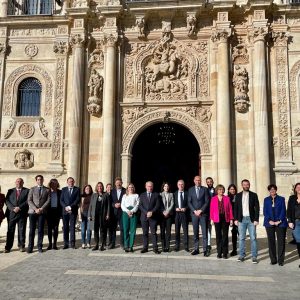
(229, 71)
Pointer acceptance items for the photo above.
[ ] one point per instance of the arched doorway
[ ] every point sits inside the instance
(164, 152)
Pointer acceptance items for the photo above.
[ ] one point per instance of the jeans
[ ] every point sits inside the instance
(243, 226)
(86, 232)
(296, 231)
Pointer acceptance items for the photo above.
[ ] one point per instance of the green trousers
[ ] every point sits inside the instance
(129, 229)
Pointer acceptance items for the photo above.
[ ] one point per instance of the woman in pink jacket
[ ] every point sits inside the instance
(221, 216)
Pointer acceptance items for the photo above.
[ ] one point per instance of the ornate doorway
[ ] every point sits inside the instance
(164, 152)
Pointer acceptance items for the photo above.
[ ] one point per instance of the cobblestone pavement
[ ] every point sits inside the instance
(112, 274)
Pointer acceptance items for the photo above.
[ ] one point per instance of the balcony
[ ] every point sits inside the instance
(34, 7)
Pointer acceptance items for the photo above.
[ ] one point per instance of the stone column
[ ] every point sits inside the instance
(3, 8)
(126, 168)
(223, 109)
(108, 114)
(261, 132)
(76, 106)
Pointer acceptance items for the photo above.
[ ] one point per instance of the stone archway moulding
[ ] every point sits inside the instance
(200, 133)
(23, 72)
(294, 94)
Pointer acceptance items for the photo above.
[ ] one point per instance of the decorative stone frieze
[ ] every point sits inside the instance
(24, 159)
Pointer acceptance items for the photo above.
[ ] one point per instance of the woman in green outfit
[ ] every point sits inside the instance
(130, 204)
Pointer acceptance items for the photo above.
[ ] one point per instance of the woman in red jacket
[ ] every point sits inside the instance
(221, 216)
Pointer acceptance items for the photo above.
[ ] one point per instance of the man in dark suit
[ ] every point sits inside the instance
(116, 197)
(211, 191)
(149, 206)
(69, 200)
(38, 201)
(181, 218)
(198, 201)
(16, 202)
(246, 216)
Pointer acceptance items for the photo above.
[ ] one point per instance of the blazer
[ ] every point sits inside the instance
(201, 203)
(38, 201)
(11, 202)
(67, 200)
(105, 210)
(114, 200)
(2, 202)
(149, 206)
(167, 203)
(253, 207)
(184, 204)
(291, 209)
(280, 211)
(214, 209)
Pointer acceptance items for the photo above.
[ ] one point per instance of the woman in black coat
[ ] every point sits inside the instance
(98, 215)
(293, 215)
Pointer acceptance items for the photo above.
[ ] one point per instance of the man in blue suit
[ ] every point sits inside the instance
(198, 201)
(69, 200)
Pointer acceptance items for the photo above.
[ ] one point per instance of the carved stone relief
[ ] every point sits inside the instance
(191, 23)
(80, 3)
(95, 85)
(11, 127)
(26, 130)
(140, 25)
(24, 159)
(3, 48)
(31, 50)
(10, 86)
(166, 70)
(61, 47)
(294, 89)
(96, 60)
(201, 133)
(42, 125)
(240, 83)
(25, 144)
(240, 54)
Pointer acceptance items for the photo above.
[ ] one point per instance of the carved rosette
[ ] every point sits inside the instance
(31, 50)
(61, 47)
(26, 130)
(240, 83)
(24, 159)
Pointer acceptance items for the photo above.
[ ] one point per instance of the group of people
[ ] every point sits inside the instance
(106, 209)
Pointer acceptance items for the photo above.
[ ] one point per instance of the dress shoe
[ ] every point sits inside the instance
(195, 252)
(156, 251)
(111, 246)
(187, 250)
(166, 249)
(233, 253)
(96, 247)
(54, 247)
(176, 249)
(219, 256)
(281, 264)
(40, 250)
(102, 248)
(206, 253)
(49, 247)
(65, 247)
(126, 250)
(73, 246)
(6, 251)
(29, 251)
(273, 262)
(144, 250)
(225, 256)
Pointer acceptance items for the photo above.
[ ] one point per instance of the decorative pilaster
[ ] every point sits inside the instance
(261, 130)
(220, 36)
(284, 164)
(109, 108)
(3, 8)
(77, 42)
(3, 52)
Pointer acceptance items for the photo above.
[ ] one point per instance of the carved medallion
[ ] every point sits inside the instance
(24, 159)
(26, 130)
(31, 50)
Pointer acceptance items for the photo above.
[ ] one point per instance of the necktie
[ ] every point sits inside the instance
(181, 199)
(40, 191)
(149, 196)
(197, 192)
(18, 195)
(70, 192)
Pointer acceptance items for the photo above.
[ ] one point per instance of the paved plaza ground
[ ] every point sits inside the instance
(112, 274)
